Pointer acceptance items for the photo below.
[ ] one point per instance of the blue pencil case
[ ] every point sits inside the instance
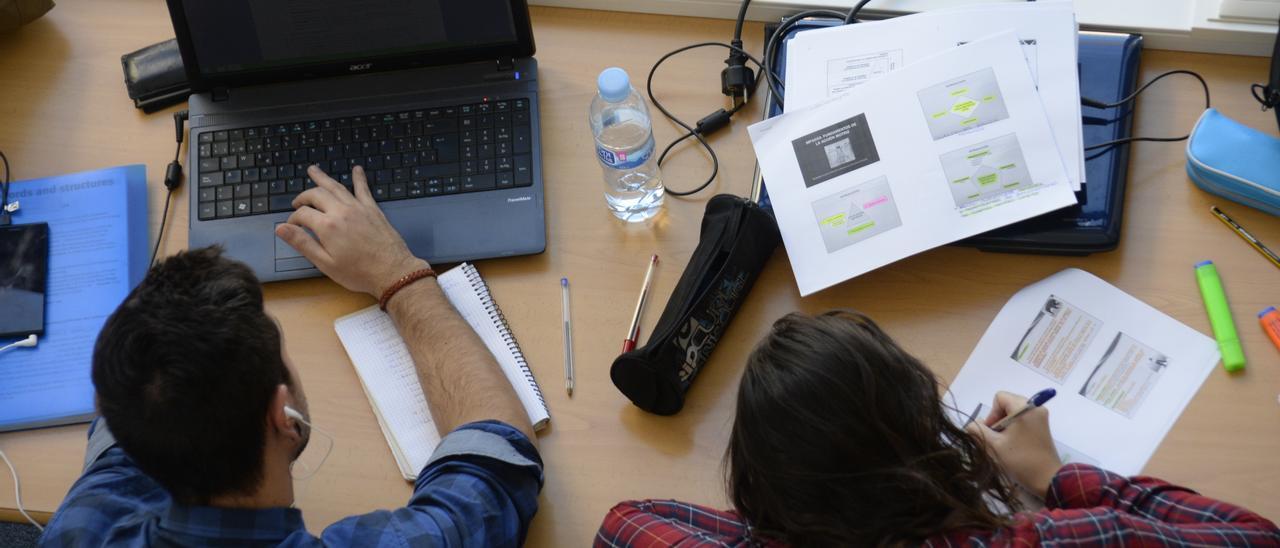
(1237, 162)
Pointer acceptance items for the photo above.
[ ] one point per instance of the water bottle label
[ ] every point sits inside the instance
(624, 160)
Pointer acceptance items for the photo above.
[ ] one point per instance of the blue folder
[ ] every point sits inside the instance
(97, 254)
(1108, 65)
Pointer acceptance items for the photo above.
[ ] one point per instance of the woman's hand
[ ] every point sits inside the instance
(1025, 449)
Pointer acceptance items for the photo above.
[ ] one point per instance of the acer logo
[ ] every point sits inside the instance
(360, 67)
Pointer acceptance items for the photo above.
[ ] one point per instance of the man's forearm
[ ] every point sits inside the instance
(462, 381)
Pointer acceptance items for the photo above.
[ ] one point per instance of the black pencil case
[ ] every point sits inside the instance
(155, 76)
(737, 238)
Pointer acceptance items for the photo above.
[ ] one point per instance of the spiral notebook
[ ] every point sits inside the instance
(390, 380)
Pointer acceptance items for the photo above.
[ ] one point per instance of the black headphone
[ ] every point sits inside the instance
(1269, 94)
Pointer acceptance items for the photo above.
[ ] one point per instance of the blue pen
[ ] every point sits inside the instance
(1037, 400)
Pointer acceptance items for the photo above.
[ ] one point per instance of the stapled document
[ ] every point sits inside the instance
(940, 150)
(824, 63)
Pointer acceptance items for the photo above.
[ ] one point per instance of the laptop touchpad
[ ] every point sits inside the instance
(288, 258)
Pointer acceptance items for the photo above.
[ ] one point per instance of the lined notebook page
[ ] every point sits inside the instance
(470, 295)
(390, 380)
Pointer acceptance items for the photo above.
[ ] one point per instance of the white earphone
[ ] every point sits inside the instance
(295, 415)
(30, 342)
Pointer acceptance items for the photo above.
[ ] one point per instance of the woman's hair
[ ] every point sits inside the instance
(841, 438)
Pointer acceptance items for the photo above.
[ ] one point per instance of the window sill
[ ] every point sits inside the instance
(1180, 25)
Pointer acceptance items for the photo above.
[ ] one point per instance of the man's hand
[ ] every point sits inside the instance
(1025, 449)
(354, 244)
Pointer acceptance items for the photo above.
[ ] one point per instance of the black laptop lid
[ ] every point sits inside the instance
(228, 43)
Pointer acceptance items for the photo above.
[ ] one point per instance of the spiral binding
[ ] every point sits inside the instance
(504, 329)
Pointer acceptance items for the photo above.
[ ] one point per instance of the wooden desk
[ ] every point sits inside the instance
(63, 108)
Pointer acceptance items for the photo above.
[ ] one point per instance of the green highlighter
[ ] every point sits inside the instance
(1215, 302)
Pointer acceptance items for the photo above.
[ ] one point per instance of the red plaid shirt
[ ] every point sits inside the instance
(1085, 506)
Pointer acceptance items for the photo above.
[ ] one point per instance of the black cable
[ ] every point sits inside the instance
(852, 17)
(4, 192)
(708, 124)
(1133, 96)
(1265, 96)
(742, 17)
(720, 118)
(172, 180)
(771, 45)
(168, 197)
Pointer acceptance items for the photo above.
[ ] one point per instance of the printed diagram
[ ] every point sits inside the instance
(856, 214)
(1127, 373)
(971, 101)
(846, 74)
(985, 170)
(835, 150)
(1056, 339)
(1030, 50)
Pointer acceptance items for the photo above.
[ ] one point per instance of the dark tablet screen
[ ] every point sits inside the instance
(24, 266)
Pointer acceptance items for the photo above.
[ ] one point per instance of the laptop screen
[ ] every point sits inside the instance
(239, 36)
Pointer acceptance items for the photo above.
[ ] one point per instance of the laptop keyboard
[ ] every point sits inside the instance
(406, 155)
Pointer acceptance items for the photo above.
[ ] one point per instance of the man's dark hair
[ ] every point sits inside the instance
(841, 439)
(185, 370)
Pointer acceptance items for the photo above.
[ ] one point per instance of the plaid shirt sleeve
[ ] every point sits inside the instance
(1086, 506)
(654, 523)
(1090, 506)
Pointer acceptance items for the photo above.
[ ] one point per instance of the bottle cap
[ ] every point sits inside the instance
(614, 84)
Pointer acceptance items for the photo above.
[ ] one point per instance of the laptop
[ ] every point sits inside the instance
(436, 99)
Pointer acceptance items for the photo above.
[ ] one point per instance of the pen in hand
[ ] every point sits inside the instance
(1039, 399)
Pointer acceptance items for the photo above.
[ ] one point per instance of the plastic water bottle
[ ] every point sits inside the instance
(624, 144)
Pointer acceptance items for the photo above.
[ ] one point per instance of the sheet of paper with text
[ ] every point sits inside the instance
(824, 63)
(1124, 371)
(940, 150)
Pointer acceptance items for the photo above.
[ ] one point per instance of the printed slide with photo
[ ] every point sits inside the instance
(986, 170)
(835, 150)
(845, 73)
(856, 214)
(1056, 339)
(960, 104)
(1125, 376)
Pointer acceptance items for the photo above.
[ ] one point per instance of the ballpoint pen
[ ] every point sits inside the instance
(1039, 399)
(633, 334)
(568, 337)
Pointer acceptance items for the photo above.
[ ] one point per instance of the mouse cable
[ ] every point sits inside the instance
(17, 492)
(172, 180)
(1132, 97)
(5, 214)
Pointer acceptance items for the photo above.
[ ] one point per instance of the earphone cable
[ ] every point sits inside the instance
(17, 492)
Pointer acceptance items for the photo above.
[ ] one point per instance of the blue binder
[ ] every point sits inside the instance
(1108, 65)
